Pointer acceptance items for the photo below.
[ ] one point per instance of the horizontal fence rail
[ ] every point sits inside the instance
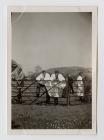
(27, 91)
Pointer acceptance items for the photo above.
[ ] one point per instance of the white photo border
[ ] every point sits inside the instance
(24, 9)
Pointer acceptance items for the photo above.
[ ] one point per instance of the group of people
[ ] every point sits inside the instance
(51, 85)
(55, 84)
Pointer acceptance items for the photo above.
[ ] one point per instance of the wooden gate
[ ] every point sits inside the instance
(26, 89)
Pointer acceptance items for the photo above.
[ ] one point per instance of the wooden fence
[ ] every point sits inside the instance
(27, 90)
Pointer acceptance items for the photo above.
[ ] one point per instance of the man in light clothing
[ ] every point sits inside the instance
(58, 84)
(43, 80)
(80, 84)
(19, 76)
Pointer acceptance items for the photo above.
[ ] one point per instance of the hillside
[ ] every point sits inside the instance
(70, 70)
(66, 70)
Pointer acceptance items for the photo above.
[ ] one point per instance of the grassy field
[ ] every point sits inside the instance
(76, 116)
(51, 117)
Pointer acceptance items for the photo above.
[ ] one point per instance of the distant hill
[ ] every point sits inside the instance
(74, 71)
(70, 70)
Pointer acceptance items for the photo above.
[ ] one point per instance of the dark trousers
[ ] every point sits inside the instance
(19, 96)
(44, 90)
(56, 100)
(82, 99)
(71, 88)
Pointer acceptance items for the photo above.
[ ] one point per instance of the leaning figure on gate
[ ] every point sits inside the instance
(58, 84)
(43, 81)
(19, 76)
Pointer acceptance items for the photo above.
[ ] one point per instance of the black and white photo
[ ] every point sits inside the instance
(52, 70)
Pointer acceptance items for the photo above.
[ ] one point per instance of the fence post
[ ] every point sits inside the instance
(68, 92)
(20, 86)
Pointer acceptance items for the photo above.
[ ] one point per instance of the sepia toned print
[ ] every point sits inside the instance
(53, 71)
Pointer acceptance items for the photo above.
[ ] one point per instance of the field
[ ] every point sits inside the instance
(51, 117)
(41, 116)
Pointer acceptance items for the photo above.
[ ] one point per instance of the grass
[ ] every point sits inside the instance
(51, 117)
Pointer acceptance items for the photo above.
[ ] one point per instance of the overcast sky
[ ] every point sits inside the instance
(51, 40)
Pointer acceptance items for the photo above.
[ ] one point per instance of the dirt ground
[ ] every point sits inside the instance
(76, 116)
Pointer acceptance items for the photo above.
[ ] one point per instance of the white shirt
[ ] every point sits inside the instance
(79, 80)
(60, 77)
(20, 76)
(42, 77)
(80, 90)
(16, 75)
(44, 80)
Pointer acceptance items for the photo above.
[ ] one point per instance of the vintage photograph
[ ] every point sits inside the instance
(52, 70)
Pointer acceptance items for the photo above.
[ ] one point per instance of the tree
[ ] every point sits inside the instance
(30, 74)
(38, 69)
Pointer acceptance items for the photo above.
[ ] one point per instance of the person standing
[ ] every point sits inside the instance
(80, 84)
(19, 76)
(42, 83)
(70, 83)
(59, 84)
